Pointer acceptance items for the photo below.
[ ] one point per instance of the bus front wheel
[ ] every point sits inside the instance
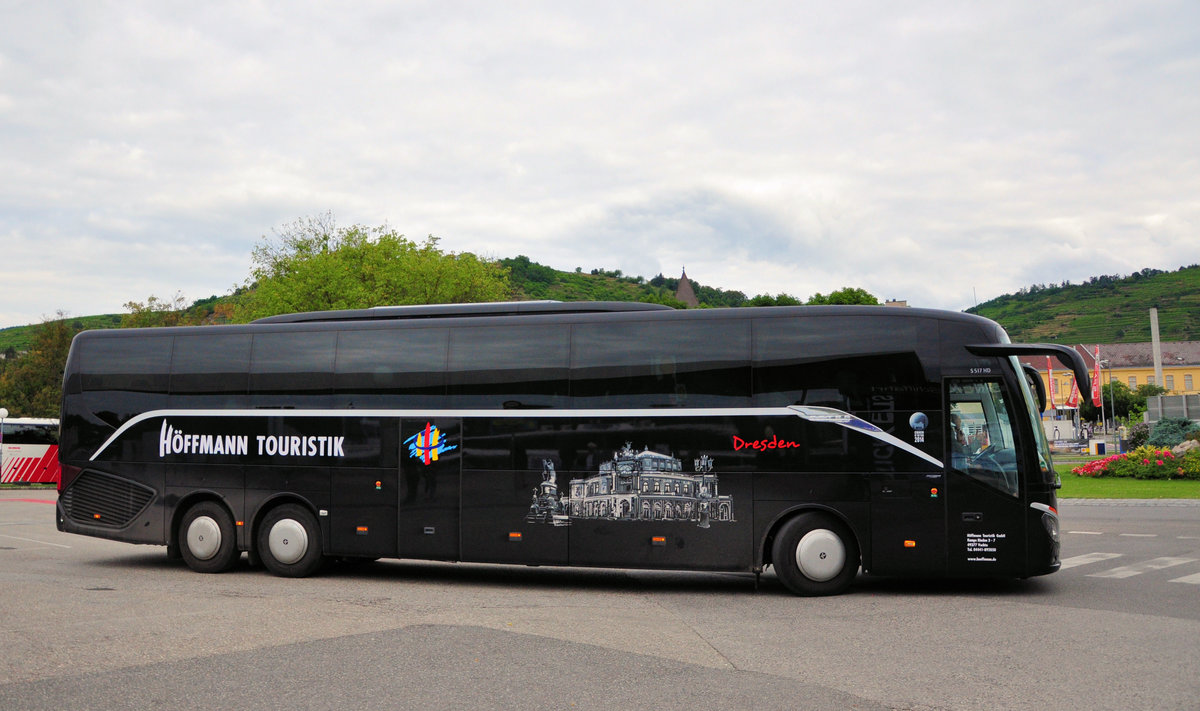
(207, 538)
(815, 554)
(289, 541)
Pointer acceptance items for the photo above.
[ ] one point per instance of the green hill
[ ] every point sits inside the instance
(16, 339)
(529, 281)
(1104, 309)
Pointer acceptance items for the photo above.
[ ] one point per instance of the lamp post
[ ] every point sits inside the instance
(1112, 399)
(3, 416)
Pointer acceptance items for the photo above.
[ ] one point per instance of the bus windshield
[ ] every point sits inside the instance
(1045, 464)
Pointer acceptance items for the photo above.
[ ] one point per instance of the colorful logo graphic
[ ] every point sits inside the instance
(427, 444)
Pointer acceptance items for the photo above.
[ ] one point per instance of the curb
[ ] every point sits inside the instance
(1182, 503)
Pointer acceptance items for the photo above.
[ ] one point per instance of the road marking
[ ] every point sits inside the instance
(30, 540)
(1139, 535)
(1193, 579)
(1088, 533)
(1188, 538)
(1087, 558)
(1128, 571)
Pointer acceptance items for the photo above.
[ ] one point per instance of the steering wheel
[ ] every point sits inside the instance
(984, 465)
(985, 452)
(984, 462)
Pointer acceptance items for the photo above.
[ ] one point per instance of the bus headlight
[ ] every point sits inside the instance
(1050, 521)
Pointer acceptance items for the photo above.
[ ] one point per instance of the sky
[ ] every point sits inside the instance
(942, 153)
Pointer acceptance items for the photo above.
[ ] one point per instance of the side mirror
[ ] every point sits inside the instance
(1035, 384)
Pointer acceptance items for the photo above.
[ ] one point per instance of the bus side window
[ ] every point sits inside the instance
(521, 366)
(292, 368)
(980, 436)
(391, 367)
(211, 370)
(701, 363)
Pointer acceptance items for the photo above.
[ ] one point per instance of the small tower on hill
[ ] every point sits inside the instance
(685, 293)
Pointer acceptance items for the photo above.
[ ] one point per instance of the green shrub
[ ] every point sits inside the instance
(1189, 464)
(1170, 431)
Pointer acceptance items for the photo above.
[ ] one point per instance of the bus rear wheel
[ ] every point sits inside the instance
(207, 538)
(289, 542)
(815, 554)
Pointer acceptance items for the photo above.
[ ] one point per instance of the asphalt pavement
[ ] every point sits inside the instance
(89, 623)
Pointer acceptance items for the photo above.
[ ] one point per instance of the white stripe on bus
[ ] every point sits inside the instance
(530, 413)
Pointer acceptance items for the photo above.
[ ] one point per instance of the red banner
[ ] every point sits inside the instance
(1073, 399)
(1096, 380)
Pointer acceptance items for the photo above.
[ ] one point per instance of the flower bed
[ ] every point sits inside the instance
(1145, 462)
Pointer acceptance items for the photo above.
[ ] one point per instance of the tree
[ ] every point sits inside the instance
(780, 299)
(31, 385)
(847, 295)
(1118, 396)
(313, 265)
(155, 312)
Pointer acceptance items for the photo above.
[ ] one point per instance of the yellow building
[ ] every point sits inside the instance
(1133, 365)
(1128, 363)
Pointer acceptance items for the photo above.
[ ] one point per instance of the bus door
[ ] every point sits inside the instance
(986, 524)
(429, 490)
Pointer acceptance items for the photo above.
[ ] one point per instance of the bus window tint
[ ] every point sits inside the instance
(292, 369)
(391, 368)
(986, 450)
(128, 364)
(798, 362)
(509, 366)
(696, 363)
(210, 370)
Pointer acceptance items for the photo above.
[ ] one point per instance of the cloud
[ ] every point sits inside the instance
(929, 151)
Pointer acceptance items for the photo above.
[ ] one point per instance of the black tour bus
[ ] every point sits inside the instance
(816, 440)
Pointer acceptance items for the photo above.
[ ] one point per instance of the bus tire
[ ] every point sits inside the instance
(208, 539)
(815, 554)
(289, 542)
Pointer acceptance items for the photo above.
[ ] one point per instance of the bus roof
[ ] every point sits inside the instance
(495, 308)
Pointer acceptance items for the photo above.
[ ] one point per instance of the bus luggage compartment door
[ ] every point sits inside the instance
(908, 524)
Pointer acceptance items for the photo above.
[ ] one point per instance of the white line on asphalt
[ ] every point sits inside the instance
(1139, 535)
(30, 540)
(1087, 558)
(1193, 579)
(1128, 571)
(1088, 533)
(1188, 538)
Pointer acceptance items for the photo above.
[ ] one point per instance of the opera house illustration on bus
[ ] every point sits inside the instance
(634, 486)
